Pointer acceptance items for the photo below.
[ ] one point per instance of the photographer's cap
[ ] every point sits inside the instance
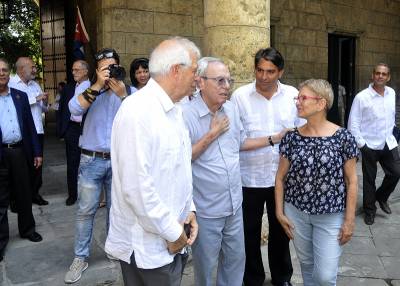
(106, 53)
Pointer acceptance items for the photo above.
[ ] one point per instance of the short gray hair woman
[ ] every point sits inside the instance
(316, 185)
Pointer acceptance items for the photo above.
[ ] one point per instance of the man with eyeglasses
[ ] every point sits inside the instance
(266, 108)
(19, 150)
(98, 106)
(371, 121)
(70, 126)
(217, 136)
(24, 80)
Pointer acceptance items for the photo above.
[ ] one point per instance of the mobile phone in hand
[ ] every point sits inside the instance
(187, 227)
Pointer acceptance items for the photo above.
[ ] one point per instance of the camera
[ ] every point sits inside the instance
(117, 72)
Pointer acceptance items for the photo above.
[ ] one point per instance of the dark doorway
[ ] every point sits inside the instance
(58, 26)
(341, 75)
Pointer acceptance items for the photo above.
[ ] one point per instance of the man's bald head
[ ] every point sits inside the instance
(26, 69)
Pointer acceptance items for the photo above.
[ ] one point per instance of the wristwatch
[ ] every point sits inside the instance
(270, 141)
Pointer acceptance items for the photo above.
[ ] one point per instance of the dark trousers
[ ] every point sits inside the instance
(168, 275)
(279, 260)
(15, 179)
(390, 162)
(37, 172)
(73, 153)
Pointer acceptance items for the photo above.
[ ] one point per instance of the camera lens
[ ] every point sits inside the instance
(117, 72)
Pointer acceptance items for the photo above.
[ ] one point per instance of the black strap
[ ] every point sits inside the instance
(128, 92)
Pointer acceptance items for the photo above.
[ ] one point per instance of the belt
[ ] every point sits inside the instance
(12, 145)
(103, 155)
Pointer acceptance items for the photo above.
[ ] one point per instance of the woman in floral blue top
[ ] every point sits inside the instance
(316, 185)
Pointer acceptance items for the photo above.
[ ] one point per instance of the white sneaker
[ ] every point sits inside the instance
(75, 270)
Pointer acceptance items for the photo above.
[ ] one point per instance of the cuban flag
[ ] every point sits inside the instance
(81, 37)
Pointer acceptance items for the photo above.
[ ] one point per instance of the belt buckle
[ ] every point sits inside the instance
(9, 146)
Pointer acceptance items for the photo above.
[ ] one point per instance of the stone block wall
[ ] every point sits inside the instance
(301, 34)
(134, 27)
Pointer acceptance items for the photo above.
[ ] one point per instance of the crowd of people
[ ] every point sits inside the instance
(183, 163)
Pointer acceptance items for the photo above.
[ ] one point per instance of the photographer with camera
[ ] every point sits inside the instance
(98, 105)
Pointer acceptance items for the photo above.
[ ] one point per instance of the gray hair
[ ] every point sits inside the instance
(381, 65)
(203, 64)
(178, 53)
(21, 62)
(321, 88)
(83, 63)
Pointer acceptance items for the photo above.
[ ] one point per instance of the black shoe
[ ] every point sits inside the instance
(39, 201)
(1, 258)
(286, 283)
(385, 207)
(34, 237)
(70, 201)
(13, 206)
(369, 219)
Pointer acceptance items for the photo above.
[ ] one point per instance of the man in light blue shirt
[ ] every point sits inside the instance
(217, 136)
(99, 104)
(19, 152)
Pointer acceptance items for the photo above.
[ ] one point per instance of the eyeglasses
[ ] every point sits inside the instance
(301, 98)
(105, 55)
(221, 81)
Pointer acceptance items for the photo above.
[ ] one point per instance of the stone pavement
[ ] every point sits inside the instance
(372, 258)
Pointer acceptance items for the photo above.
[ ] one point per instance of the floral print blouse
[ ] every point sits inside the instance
(315, 180)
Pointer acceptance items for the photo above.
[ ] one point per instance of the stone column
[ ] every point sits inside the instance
(234, 31)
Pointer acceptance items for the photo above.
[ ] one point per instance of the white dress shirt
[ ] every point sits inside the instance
(372, 118)
(262, 117)
(152, 178)
(80, 88)
(32, 89)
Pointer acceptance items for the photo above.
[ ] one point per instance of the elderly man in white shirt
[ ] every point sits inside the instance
(371, 121)
(152, 180)
(24, 80)
(266, 108)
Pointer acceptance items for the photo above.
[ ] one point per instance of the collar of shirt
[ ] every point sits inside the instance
(202, 106)
(8, 93)
(279, 90)
(18, 80)
(161, 95)
(375, 93)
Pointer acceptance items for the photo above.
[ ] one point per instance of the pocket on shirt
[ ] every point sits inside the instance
(371, 111)
(252, 122)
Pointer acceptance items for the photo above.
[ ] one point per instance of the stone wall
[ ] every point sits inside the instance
(301, 34)
(134, 27)
(300, 31)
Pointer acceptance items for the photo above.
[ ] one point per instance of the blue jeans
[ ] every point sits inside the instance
(94, 176)
(222, 240)
(317, 245)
